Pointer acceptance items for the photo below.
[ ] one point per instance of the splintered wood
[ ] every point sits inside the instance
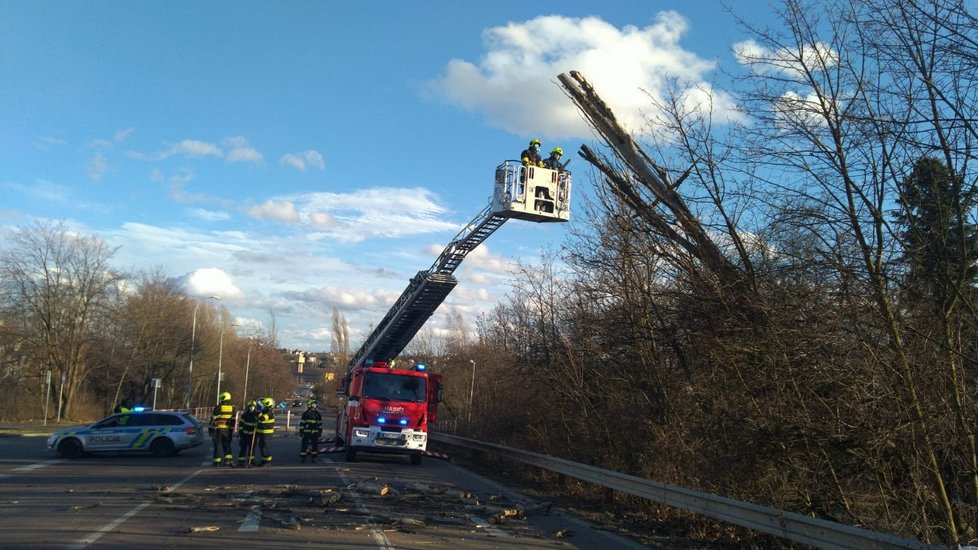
(365, 504)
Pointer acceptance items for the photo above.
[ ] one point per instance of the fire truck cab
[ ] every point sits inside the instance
(387, 410)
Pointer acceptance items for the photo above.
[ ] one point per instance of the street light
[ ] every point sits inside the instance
(220, 358)
(193, 335)
(244, 395)
(471, 389)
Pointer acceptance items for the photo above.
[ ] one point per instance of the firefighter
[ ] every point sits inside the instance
(531, 155)
(553, 161)
(310, 427)
(222, 419)
(246, 434)
(265, 429)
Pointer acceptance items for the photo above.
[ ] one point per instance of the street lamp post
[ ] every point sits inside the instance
(220, 358)
(244, 394)
(193, 335)
(471, 389)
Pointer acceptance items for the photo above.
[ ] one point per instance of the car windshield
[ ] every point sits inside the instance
(394, 387)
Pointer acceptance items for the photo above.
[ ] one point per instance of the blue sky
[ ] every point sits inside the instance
(294, 157)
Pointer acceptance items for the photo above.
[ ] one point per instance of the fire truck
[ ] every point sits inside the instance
(386, 409)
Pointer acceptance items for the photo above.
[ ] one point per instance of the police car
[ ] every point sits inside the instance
(163, 433)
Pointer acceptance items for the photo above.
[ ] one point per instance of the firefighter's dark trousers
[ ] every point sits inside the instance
(246, 454)
(264, 448)
(222, 446)
(310, 444)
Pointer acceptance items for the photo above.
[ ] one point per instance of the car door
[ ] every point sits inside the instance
(147, 426)
(109, 434)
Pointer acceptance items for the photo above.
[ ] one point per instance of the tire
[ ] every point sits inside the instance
(416, 459)
(351, 454)
(70, 448)
(162, 446)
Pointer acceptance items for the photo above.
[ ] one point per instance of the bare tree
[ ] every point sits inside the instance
(60, 285)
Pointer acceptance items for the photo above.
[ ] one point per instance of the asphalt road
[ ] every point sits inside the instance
(130, 501)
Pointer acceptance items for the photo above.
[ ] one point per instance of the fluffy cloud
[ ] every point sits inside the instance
(241, 151)
(513, 84)
(788, 62)
(211, 281)
(363, 214)
(278, 210)
(210, 215)
(194, 148)
(97, 166)
(300, 161)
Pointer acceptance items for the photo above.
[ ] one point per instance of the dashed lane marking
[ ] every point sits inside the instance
(36, 466)
(251, 521)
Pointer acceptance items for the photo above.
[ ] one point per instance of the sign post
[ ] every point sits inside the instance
(156, 386)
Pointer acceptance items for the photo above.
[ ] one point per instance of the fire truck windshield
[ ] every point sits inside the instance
(394, 387)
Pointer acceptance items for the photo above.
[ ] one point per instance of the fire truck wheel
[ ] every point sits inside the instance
(416, 459)
(351, 454)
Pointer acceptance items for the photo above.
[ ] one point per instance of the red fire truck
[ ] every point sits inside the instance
(390, 410)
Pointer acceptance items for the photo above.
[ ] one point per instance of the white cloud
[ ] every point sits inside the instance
(97, 166)
(242, 151)
(348, 298)
(788, 62)
(278, 210)
(364, 214)
(514, 83)
(482, 258)
(122, 135)
(194, 148)
(41, 191)
(210, 215)
(211, 281)
(300, 161)
(45, 143)
(245, 154)
(321, 220)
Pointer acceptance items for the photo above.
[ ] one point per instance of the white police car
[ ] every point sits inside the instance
(163, 433)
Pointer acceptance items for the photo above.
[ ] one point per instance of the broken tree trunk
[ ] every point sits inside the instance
(681, 226)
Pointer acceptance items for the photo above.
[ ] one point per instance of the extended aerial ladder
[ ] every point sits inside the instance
(523, 192)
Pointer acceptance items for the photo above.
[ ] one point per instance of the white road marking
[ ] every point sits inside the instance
(251, 521)
(91, 538)
(481, 523)
(36, 466)
(379, 537)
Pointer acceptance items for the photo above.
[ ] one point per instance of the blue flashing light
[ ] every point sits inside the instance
(403, 422)
(368, 362)
(381, 420)
(420, 366)
(138, 409)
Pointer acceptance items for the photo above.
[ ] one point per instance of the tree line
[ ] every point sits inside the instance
(782, 310)
(78, 336)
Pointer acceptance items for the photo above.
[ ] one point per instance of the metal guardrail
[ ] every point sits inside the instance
(789, 525)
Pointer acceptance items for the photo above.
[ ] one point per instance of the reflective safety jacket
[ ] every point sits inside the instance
(311, 423)
(266, 422)
(221, 416)
(247, 423)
